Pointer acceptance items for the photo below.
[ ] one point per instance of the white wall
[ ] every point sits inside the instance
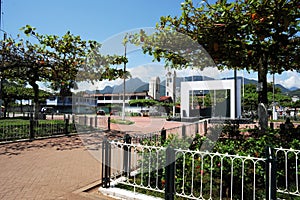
(186, 87)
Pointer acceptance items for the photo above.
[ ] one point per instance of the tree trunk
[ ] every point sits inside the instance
(262, 95)
(5, 108)
(21, 106)
(36, 109)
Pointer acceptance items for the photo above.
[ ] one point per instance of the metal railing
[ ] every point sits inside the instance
(185, 130)
(207, 175)
(144, 162)
(187, 174)
(32, 129)
(10, 131)
(287, 163)
(85, 122)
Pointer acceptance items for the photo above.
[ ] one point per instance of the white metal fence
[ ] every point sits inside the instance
(197, 175)
(287, 163)
(189, 174)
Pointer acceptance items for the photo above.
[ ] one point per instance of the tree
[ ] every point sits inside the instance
(293, 105)
(143, 102)
(262, 36)
(23, 63)
(12, 91)
(251, 97)
(60, 61)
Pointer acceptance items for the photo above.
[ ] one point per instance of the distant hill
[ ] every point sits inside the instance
(283, 89)
(137, 85)
(131, 85)
(107, 90)
(295, 93)
(294, 88)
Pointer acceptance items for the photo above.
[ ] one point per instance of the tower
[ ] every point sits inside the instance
(171, 84)
(154, 88)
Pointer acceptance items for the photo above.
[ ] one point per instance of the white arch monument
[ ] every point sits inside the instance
(186, 87)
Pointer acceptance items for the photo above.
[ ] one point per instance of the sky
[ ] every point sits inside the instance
(105, 20)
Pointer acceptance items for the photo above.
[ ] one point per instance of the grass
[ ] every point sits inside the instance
(13, 129)
(120, 121)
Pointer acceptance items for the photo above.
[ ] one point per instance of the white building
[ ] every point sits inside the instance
(154, 88)
(295, 98)
(171, 84)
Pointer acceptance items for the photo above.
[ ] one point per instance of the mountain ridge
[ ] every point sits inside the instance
(137, 85)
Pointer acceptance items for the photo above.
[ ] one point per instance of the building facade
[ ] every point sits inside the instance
(154, 88)
(171, 84)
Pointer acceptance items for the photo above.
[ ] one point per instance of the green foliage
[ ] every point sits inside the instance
(240, 33)
(251, 97)
(14, 90)
(294, 93)
(197, 169)
(295, 104)
(67, 56)
(16, 129)
(262, 36)
(59, 61)
(143, 102)
(119, 121)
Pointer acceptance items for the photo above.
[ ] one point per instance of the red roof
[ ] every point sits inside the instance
(164, 98)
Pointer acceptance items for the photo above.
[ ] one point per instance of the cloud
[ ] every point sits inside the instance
(147, 71)
(143, 72)
(211, 72)
(97, 85)
(289, 79)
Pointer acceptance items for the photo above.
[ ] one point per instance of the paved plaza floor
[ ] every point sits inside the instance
(55, 168)
(62, 167)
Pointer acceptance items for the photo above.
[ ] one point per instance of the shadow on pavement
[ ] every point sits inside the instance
(88, 140)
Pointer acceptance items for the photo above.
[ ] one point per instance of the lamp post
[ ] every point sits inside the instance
(124, 82)
(2, 64)
(235, 93)
(274, 107)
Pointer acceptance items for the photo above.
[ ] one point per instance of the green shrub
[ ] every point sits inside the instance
(205, 168)
(119, 121)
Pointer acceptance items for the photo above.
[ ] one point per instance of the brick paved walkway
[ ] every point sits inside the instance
(46, 169)
(57, 168)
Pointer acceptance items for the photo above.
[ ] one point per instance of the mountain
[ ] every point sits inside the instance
(283, 89)
(106, 90)
(294, 88)
(137, 85)
(131, 85)
(294, 93)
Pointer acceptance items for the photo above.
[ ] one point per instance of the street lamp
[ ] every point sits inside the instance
(274, 107)
(124, 82)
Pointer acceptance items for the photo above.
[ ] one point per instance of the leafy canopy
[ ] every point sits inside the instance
(243, 33)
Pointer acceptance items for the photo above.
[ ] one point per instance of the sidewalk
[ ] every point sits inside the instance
(54, 168)
(60, 168)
